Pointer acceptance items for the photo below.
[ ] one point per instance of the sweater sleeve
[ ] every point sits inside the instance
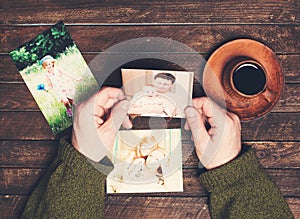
(72, 187)
(242, 189)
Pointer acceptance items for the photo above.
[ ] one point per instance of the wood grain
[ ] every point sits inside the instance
(201, 38)
(36, 154)
(289, 62)
(289, 101)
(33, 126)
(39, 154)
(11, 206)
(22, 181)
(108, 12)
(173, 207)
(281, 155)
(274, 126)
(155, 207)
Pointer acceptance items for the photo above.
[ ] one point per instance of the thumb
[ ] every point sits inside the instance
(197, 127)
(117, 116)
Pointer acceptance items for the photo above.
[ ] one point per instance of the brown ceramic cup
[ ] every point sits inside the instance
(245, 77)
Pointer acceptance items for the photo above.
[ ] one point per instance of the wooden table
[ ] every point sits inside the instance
(27, 145)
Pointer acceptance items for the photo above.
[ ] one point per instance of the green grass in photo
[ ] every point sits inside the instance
(54, 111)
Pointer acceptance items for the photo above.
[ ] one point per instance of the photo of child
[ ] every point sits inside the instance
(56, 74)
(146, 156)
(146, 160)
(149, 102)
(157, 93)
(62, 83)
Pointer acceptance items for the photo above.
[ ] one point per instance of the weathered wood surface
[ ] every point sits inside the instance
(22, 181)
(138, 207)
(107, 12)
(289, 101)
(39, 154)
(289, 62)
(277, 37)
(33, 126)
(152, 207)
(27, 145)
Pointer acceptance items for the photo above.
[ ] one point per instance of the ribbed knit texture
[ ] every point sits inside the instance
(241, 189)
(71, 188)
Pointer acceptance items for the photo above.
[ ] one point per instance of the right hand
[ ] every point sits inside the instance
(222, 142)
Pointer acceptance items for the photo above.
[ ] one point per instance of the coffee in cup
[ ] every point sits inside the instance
(248, 78)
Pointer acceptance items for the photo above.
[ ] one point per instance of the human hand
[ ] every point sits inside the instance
(222, 142)
(97, 121)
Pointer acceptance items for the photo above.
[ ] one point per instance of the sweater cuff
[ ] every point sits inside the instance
(78, 162)
(244, 166)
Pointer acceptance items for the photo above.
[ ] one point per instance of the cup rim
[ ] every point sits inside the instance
(238, 65)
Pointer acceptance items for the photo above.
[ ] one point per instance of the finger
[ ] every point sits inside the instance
(99, 115)
(127, 124)
(196, 124)
(234, 117)
(116, 118)
(186, 126)
(214, 113)
(107, 97)
(236, 121)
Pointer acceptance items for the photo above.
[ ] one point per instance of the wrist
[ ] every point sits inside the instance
(244, 166)
(89, 149)
(78, 162)
(231, 157)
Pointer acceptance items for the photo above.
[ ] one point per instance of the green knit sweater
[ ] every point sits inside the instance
(73, 188)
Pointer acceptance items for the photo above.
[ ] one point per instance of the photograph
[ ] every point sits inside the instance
(56, 74)
(160, 93)
(146, 161)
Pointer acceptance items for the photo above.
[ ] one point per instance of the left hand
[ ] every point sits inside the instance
(97, 121)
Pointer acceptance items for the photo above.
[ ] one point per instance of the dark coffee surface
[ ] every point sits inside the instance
(249, 79)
